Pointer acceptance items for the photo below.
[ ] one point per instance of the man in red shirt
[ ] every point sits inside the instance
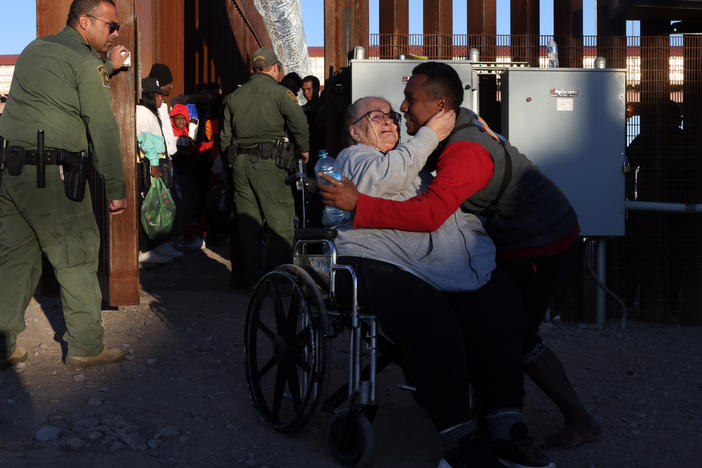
(531, 222)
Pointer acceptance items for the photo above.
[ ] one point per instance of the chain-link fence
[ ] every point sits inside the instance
(657, 267)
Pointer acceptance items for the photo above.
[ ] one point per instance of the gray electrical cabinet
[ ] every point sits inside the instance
(571, 123)
(387, 79)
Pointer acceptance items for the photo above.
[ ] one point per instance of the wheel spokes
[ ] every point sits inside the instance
(278, 308)
(266, 331)
(278, 391)
(263, 370)
(294, 385)
(286, 376)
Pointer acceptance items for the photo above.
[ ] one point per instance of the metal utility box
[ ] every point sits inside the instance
(571, 123)
(387, 79)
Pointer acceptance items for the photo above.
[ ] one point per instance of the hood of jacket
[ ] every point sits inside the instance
(182, 110)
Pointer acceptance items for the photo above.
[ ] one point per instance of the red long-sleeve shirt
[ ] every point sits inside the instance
(463, 169)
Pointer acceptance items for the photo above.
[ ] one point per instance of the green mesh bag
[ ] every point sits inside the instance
(158, 210)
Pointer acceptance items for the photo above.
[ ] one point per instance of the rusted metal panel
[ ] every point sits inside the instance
(568, 32)
(345, 26)
(482, 17)
(124, 268)
(200, 41)
(524, 17)
(144, 13)
(568, 17)
(394, 17)
(51, 16)
(118, 272)
(438, 27)
(524, 22)
(611, 40)
(482, 27)
(393, 27)
(332, 37)
(169, 26)
(438, 17)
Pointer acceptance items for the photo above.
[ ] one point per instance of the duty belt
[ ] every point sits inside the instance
(262, 150)
(51, 156)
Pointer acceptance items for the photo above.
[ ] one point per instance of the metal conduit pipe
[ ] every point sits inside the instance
(662, 206)
(599, 276)
(283, 20)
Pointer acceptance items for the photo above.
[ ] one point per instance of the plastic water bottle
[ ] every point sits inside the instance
(332, 216)
(552, 52)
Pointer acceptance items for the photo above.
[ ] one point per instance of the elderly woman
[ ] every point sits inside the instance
(401, 274)
(459, 256)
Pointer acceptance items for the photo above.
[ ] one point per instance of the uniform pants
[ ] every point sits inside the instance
(32, 221)
(260, 194)
(420, 321)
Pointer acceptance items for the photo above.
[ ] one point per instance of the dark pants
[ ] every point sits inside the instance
(540, 279)
(493, 322)
(420, 321)
(193, 177)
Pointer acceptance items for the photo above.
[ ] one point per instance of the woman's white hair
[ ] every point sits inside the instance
(354, 112)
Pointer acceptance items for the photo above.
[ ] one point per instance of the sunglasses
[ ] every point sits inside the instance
(113, 26)
(378, 116)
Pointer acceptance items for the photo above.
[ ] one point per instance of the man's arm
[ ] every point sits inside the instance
(295, 120)
(95, 105)
(463, 169)
(225, 135)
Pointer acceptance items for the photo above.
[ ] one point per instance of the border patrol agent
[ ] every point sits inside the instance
(257, 119)
(59, 104)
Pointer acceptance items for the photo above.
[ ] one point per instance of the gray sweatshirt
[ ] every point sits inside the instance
(459, 256)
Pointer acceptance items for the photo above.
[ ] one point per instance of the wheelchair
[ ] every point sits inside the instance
(293, 314)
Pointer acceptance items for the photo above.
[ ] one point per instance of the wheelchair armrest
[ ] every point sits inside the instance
(316, 234)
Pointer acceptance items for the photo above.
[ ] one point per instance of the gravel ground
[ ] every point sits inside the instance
(180, 398)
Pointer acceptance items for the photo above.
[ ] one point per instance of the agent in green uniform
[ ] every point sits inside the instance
(257, 117)
(62, 87)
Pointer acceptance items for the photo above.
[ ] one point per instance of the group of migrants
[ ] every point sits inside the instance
(177, 144)
(459, 267)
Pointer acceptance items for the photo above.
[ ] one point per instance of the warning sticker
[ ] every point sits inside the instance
(564, 104)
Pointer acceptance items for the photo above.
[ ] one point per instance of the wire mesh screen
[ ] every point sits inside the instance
(657, 267)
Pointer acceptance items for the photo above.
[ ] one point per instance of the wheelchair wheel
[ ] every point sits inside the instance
(287, 348)
(351, 437)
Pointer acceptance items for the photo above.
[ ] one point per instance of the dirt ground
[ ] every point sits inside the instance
(180, 399)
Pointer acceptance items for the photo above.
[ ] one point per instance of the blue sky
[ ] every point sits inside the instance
(18, 26)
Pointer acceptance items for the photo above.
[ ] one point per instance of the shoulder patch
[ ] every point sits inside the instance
(104, 76)
(292, 96)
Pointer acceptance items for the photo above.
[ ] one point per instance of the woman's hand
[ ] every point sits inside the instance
(155, 171)
(442, 123)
